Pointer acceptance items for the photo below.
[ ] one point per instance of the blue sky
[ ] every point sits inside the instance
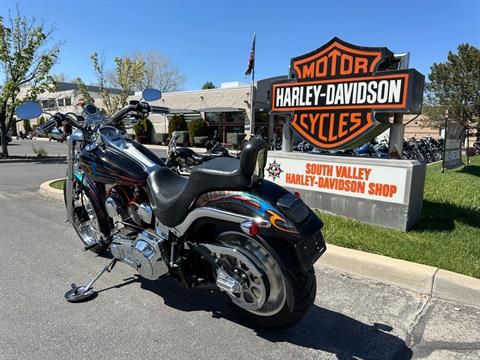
(210, 40)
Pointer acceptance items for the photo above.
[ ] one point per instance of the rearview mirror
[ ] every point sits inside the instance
(151, 94)
(28, 110)
(90, 109)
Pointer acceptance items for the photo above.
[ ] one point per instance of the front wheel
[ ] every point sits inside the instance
(275, 292)
(89, 221)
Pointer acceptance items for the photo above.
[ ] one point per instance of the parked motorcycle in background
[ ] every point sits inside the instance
(223, 228)
(183, 159)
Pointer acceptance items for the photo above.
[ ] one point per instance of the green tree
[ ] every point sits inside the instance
(128, 72)
(208, 85)
(87, 98)
(454, 86)
(25, 59)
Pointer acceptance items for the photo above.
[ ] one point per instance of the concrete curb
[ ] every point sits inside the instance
(32, 159)
(424, 279)
(435, 162)
(46, 190)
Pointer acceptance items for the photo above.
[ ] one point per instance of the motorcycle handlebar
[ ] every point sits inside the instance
(159, 109)
(120, 114)
(46, 127)
(140, 106)
(59, 118)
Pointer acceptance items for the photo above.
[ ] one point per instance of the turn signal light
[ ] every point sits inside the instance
(253, 228)
(297, 194)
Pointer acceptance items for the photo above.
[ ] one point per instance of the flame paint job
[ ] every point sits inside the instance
(248, 204)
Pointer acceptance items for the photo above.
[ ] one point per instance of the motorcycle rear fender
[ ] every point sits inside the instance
(266, 201)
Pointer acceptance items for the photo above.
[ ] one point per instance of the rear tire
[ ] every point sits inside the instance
(299, 286)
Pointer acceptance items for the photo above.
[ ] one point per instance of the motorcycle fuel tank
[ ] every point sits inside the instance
(108, 165)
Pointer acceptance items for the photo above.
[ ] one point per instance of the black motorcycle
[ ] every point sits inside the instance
(183, 159)
(223, 228)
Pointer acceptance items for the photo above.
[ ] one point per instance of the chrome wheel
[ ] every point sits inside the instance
(262, 288)
(88, 226)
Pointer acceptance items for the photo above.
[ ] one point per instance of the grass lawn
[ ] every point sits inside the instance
(447, 236)
(58, 184)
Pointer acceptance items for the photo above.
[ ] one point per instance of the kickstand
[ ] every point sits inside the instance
(81, 293)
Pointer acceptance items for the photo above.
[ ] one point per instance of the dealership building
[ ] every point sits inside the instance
(226, 109)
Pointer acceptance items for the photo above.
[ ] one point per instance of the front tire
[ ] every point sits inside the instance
(89, 220)
(290, 291)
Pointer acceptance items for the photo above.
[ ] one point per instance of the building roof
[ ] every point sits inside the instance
(221, 109)
(63, 86)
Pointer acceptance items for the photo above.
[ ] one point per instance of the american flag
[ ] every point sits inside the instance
(251, 59)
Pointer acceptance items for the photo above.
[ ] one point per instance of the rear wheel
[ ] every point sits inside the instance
(275, 292)
(89, 221)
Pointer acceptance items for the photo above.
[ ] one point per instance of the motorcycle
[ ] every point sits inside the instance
(476, 147)
(224, 228)
(183, 159)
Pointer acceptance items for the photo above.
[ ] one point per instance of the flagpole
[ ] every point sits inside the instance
(252, 112)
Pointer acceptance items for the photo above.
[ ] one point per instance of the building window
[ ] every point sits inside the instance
(225, 123)
(60, 102)
(49, 104)
(68, 101)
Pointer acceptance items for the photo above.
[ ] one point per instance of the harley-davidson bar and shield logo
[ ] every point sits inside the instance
(340, 95)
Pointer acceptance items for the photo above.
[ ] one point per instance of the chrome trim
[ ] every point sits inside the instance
(235, 289)
(69, 180)
(208, 212)
(76, 135)
(145, 212)
(245, 226)
(227, 283)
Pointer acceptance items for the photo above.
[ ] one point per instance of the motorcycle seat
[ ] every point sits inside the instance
(171, 195)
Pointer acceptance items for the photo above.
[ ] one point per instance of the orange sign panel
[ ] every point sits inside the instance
(340, 95)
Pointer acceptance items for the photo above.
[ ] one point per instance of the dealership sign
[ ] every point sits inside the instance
(340, 95)
(367, 181)
(452, 150)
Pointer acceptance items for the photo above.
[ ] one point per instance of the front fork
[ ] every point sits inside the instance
(69, 180)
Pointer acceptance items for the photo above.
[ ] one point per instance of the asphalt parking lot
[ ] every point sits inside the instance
(134, 318)
(53, 148)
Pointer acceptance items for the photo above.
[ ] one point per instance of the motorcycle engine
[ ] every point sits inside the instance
(146, 253)
(124, 205)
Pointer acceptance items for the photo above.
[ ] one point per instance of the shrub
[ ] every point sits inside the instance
(177, 122)
(197, 128)
(143, 127)
(27, 126)
(40, 152)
